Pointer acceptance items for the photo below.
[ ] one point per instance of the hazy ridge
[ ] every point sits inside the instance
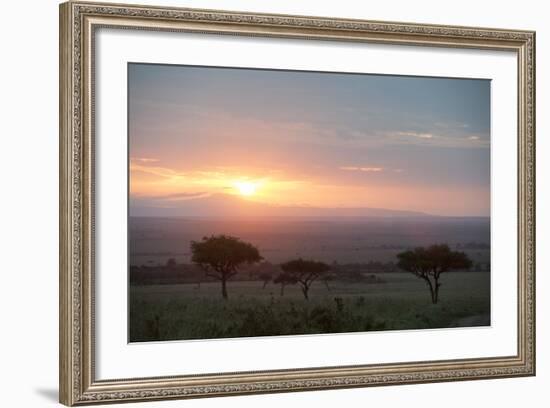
(344, 239)
(226, 205)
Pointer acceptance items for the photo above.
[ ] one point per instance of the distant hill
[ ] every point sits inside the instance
(223, 205)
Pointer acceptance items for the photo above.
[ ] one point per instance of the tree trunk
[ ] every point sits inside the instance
(432, 291)
(304, 291)
(436, 291)
(224, 288)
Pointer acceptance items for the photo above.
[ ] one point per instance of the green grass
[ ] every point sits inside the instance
(177, 312)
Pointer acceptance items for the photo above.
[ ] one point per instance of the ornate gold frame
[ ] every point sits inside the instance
(78, 22)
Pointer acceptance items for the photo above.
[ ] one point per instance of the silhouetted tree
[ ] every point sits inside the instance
(199, 281)
(327, 278)
(305, 272)
(429, 263)
(284, 279)
(265, 277)
(220, 257)
(171, 263)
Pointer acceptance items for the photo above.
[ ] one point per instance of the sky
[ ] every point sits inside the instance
(308, 139)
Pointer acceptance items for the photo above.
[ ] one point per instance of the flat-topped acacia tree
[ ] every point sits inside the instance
(429, 263)
(220, 256)
(265, 277)
(304, 272)
(284, 279)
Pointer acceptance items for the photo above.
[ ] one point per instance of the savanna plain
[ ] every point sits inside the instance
(364, 289)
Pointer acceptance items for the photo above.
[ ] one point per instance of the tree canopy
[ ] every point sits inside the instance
(429, 263)
(220, 256)
(285, 278)
(304, 272)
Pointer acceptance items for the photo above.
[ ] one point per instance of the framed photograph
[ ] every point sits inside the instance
(258, 203)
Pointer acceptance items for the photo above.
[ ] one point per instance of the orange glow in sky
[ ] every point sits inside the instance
(168, 187)
(303, 139)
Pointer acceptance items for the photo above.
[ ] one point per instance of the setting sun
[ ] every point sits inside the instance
(246, 188)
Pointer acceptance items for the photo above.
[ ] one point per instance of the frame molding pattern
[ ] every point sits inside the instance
(77, 24)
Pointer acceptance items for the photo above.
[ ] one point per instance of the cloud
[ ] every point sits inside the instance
(166, 200)
(183, 196)
(450, 138)
(451, 125)
(144, 159)
(415, 134)
(155, 170)
(364, 169)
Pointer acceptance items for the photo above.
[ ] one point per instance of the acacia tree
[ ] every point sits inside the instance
(265, 277)
(171, 263)
(305, 272)
(327, 278)
(429, 263)
(284, 279)
(220, 257)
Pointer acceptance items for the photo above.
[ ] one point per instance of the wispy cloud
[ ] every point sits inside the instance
(144, 159)
(451, 125)
(155, 170)
(415, 134)
(364, 169)
(183, 196)
(456, 138)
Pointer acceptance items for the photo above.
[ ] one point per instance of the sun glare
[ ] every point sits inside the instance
(246, 188)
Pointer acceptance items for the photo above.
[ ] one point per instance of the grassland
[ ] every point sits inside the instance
(400, 302)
